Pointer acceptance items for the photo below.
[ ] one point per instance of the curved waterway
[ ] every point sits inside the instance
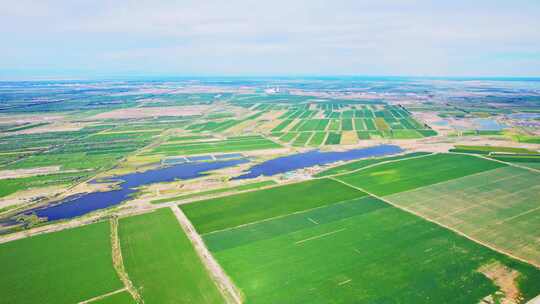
(78, 205)
(316, 157)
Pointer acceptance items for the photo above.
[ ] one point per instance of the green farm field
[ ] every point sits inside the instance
(499, 207)
(355, 165)
(359, 251)
(491, 149)
(302, 139)
(161, 261)
(333, 138)
(317, 139)
(287, 137)
(229, 145)
(419, 172)
(231, 211)
(12, 185)
(68, 266)
(120, 298)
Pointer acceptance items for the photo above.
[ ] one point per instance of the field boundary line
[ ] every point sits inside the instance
(481, 204)
(498, 161)
(283, 215)
(518, 215)
(420, 202)
(319, 236)
(373, 165)
(444, 226)
(103, 296)
(535, 300)
(220, 278)
(226, 194)
(510, 164)
(118, 262)
(48, 229)
(102, 215)
(435, 184)
(313, 221)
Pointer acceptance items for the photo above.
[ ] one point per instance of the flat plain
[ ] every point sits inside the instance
(500, 207)
(162, 262)
(359, 251)
(413, 173)
(62, 267)
(231, 211)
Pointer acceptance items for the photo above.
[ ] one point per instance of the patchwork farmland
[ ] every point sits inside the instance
(268, 191)
(356, 122)
(69, 266)
(498, 207)
(340, 248)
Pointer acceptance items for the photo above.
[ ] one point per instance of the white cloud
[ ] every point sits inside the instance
(264, 37)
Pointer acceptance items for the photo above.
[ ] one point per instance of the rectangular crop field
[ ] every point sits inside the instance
(358, 164)
(228, 145)
(298, 125)
(405, 134)
(500, 207)
(315, 125)
(490, 149)
(309, 125)
(348, 138)
(231, 211)
(161, 261)
(334, 125)
(381, 124)
(359, 124)
(413, 173)
(359, 251)
(282, 125)
(68, 266)
(302, 139)
(317, 139)
(333, 138)
(363, 135)
(370, 124)
(287, 137)
(347, 124)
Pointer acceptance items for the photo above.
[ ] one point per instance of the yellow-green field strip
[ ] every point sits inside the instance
(500, 208)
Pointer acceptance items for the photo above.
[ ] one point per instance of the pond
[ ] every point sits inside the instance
(81, 204)
(525, 116)
(485, 124)
(316, 157)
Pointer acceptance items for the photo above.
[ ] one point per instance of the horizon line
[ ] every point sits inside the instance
(254, 76)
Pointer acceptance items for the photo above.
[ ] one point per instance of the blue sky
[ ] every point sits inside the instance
(418, 38)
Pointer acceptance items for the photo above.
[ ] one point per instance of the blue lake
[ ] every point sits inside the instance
(525, 115)
(485, 124)
(312, 158)
(78, 205)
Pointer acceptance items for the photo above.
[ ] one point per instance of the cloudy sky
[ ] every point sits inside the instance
(95, 38)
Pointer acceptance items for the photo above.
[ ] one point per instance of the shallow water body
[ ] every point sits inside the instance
(313, 158)
(78, 205)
